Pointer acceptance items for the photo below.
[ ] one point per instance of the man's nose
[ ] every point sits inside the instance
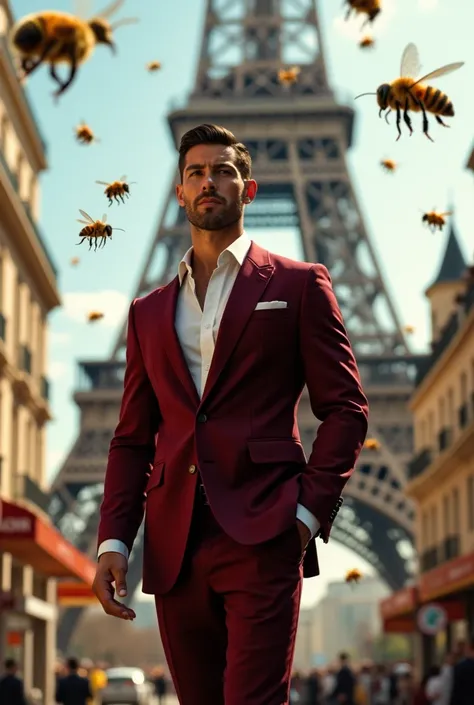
(208, 183)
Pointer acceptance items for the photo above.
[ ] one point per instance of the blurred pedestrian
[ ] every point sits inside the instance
(11, 686)
(73, 689)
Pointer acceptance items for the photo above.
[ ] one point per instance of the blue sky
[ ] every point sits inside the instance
(127, 107)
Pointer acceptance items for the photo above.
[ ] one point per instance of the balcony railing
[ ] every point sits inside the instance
(444, 439)
(44, 390)
(26, 488)
(463, 416)
(451, 547)
(24, 359)
(3, 327)
(419, 463)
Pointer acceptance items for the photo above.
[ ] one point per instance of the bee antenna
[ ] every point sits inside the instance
(362, 94)
(119, 229)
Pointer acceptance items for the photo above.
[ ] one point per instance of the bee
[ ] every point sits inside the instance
(289, 76)
(409, 329)
(84, 134)
(353, 576)
(371, 8)
(435, 220)
(153, 66)
(95, 230)
(74, 261)
(409, 93)
(59, 37)
(94, 316)
(117, 189)
(388, 165)
(372, 444)
(367, 43)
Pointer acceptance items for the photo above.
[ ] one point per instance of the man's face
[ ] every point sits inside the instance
(212, 188)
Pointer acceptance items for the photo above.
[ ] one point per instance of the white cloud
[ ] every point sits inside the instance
(427, 5)
(113, 304)
(57, 370)
(351, 28)
(54, 459)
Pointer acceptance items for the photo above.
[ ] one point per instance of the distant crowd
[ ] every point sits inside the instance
(451, 683)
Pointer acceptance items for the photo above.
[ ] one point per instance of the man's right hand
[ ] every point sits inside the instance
(112, 568)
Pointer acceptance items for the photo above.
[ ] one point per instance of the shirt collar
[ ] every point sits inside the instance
(238, 249)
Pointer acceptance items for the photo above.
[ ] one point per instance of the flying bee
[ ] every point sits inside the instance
(153, 66)
(54, 38)
(409, 329)
(372, 444)
(367, 43)
(117, 189)
(289, 76)
(371, 8)
(84, 134)
(409, 93)
(388, 165)
(95, 230)
(435, 220)
(74, 261)
(94, 316)
(353, 576)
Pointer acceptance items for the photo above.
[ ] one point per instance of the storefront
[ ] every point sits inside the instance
(33, 556)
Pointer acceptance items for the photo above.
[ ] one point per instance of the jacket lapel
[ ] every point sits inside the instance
(171, 342)
(252, 280)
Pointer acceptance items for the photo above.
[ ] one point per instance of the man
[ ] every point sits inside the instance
(11, 687)
(216, 364)
(73, 689)
(462, 691)
(345, 682)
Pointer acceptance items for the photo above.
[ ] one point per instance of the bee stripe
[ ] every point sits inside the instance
(442, 103)
(448, 109)
(428, 93)
(434, 99)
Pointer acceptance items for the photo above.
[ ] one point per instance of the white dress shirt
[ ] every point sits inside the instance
(197, 333)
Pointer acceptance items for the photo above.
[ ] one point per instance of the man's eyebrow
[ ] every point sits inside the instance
(201, 166)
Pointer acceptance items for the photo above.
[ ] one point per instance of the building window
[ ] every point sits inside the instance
(447, 515)
(456, 510)
(470, 502)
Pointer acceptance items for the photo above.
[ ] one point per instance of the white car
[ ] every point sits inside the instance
(127, 686)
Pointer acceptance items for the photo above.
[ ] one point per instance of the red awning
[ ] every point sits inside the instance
(398, 611)
(75, 594)
(35, 542)
(448, 578)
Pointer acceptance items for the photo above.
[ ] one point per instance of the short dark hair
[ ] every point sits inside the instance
(72, 663)
(344, 656)
(215, 134)
(9, 663)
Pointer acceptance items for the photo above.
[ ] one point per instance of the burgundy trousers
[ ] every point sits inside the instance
(228, 626)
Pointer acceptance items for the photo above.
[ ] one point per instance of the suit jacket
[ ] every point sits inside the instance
(11, 690)
(242, 434)
(73, 690)
(463, 683)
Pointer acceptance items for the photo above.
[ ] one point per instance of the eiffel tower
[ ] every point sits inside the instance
(298, 136)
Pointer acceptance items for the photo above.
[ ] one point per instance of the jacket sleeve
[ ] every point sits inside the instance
(131, 449)
(336, 398)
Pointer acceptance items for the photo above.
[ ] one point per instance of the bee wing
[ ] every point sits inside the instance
(449, 68)
(410, 63)
(110, 9)
(104, 218)
(123, 178)
(86, 216)
(445, 214)
(124, 21)
(82, 8)
(104, 183)
(84, 222)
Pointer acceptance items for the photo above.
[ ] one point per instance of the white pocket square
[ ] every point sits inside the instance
(270, 304)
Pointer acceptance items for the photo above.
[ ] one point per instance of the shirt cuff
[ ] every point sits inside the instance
(307, 518)
(113, 546)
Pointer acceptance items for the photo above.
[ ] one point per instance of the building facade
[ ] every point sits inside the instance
(441, 474)
(33, 555)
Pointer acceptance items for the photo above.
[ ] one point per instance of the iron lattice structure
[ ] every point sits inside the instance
(298, 136)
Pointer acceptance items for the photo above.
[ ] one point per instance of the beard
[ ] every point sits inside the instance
(229, 213)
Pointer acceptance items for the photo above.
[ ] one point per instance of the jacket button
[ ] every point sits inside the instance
(202, 418)
(192, 469)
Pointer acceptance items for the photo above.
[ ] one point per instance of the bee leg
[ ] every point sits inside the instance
(54, 75)
(70, 50)
(438, 119)
(425, 117)
(406, 117)
(29, 65)
(399, 119)
(386, 116)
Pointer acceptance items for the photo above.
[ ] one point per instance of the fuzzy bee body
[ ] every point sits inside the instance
(55, 38)
(96, 231)
(435, 220)
(116, 189)
(411, 94)
(370, 8)
(84, 134)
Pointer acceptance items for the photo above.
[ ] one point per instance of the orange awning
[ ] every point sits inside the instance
(398, 611)
(34, 542)
(450, 577)
(75, 594)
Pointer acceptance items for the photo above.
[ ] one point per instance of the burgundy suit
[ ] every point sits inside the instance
(243, 439)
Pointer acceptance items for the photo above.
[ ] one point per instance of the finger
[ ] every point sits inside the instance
(105, 593)
(120, 582)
